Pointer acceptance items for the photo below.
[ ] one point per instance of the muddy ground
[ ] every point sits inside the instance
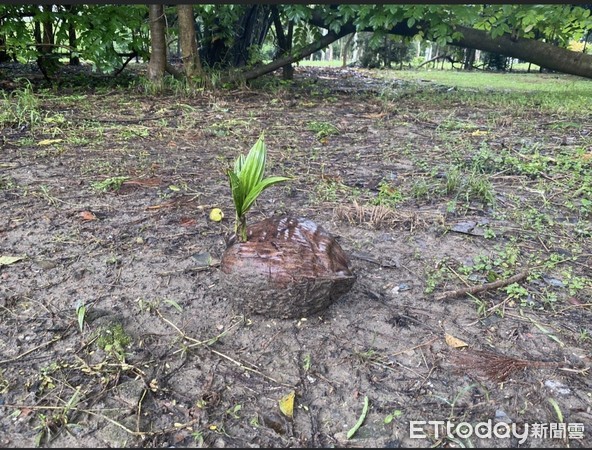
(115, 332)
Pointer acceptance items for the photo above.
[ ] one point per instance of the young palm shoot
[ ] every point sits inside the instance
(247, 183)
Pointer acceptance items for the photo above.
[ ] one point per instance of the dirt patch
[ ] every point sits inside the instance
(115, 330)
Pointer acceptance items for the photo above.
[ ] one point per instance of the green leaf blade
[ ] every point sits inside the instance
(256, 191)
(238, 192)
(254, 165)
(360, 421)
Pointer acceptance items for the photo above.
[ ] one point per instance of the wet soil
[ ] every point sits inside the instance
(115, 328)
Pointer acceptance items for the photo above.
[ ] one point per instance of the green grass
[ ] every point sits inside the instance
(552, 93)
(308, 63)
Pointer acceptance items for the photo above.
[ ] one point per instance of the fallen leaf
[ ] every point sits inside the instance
(574, 301)
(49, 141)
(454, 342)
(187, 221)
(88, 215)
(479, 133)
(7, 260)
(287, 404)
(361, 419)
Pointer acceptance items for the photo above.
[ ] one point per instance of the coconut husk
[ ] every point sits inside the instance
(288, 267)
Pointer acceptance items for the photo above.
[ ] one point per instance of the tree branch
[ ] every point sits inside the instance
(326, 40)
(483, 287)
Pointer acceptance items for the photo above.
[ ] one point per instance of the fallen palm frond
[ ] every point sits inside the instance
(378, 216)
(493, 365)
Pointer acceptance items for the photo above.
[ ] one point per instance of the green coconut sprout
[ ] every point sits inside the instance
(247, 183)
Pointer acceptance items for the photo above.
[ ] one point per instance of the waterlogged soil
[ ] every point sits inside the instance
(114, 328)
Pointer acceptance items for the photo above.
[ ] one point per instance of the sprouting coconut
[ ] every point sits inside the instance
(282, 267)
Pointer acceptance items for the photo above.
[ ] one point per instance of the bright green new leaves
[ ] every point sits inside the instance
(247, 183)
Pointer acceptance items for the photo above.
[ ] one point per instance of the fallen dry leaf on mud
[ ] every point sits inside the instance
(454, 342)
(49, 141)
(7, 260)
(287, 404)
(88, 215)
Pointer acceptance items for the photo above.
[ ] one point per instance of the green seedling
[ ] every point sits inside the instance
(247, 183)
(81, 314)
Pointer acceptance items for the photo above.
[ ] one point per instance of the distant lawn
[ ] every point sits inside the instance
(548, 93)
(333, 63)
(523, 82)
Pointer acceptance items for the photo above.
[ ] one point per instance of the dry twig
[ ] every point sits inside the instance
(483, 287)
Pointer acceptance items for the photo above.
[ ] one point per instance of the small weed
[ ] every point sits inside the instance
(44, 193)
(306, 363)
(110, 184)
(573, 282)
(517, 292)
(233, 412)
(4, 384)
(434, 277)
(198, 438)
(323, 129)
(481, 307)
(479, 188)
(20, 108)
(7, 183)
(394, 415)
(387, 195)
(421, 189)
(51, 425)
(453, 180)
(134, 132)
(584, 335)
(113, 340)
(81, 315)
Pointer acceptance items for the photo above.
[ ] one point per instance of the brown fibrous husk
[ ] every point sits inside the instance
(288, 267)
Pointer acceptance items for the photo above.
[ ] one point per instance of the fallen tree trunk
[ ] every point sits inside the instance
(537, 52)
(540, 53)
(325, 41)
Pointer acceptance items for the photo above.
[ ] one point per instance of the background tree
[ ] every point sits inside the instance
(187, 38)
(236, 37)
(158, 54)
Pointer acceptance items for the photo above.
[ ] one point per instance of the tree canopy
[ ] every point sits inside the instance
(232, 36)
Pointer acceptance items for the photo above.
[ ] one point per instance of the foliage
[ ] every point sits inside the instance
(104, 32)
(108, 33)
(247, 183)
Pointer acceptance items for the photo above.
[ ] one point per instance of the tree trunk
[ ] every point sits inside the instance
(284, 41)
(47, 62)
(72, 41)
(345, 49)
(158, 54)
(469, 58)
(536, 52)
(188, 41)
